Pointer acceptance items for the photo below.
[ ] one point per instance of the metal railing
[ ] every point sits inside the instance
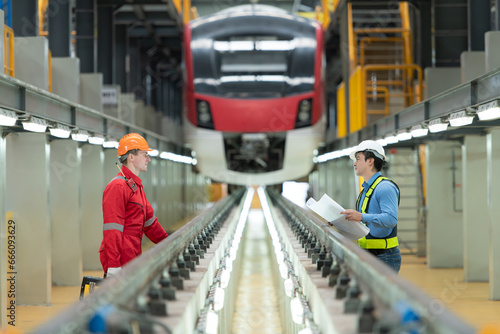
(184, 8)
(382, 72)
(388, 290)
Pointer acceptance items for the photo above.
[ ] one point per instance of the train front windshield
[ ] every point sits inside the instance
(253, 66)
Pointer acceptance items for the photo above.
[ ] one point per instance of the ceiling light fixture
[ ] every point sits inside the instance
(35, 124)
(391, 139)
(437, 125)
(7, 117)
(60, 131)
(403, 135)
(381, 141)
(97, 139)
(80, 136)
(489, 111)
(419, 131)
(110, 143)
(461, 118)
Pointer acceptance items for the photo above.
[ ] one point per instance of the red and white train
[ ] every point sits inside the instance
(254, 94)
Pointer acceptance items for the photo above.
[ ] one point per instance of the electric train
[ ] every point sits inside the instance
(254, 94)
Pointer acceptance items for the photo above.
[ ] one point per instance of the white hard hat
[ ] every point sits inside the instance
(369, 145)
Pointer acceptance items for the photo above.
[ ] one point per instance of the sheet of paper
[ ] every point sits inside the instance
(330, 210)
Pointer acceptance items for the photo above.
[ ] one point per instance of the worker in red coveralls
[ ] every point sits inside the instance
(126, 211)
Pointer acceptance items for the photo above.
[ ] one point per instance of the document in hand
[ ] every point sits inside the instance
(330, 210)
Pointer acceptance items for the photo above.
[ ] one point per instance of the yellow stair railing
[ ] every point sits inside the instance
(9, 59)
(322, 13)
(184, 8)
(379, 83)
(42, 17)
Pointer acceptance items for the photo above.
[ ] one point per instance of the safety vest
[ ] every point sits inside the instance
(369, 241)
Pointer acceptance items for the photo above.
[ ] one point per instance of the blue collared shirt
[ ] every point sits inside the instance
(382, 213)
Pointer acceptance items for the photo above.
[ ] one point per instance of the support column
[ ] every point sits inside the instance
(337, 180)
(110, 170)
(105, 43)
(329, 178)
(25, 18)
(497, 15)
(3, 239)
(163, 191)
(493, 190)
(444, 219)
(85, 41)
(169, 194)
(313, 184)
(476, 222)
(134, 81)
(32, 56)
(65, 215)
(120, 57)
(177, 212)
(492, 49)
(322, 178)
(479, 17)
(28, 182)
(92, 185)
(348, 183)
(472, 65)
(66, 78)
(59, 17)
(91, 90)
(151, 178)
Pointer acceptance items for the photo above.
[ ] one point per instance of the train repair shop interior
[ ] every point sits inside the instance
(422, 78)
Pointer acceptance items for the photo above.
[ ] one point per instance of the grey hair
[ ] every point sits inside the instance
(123, 158)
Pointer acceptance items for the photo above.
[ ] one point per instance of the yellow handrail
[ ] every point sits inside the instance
(385, 94)
(398, 84)
(9, 60)
(186, 10)
(326, 14)
(357, 100)
(194, 13)
(335, 4)
(368, 40)
(408, 87)
(178, 5)
(352, 40)
(405, 23)
(42, 9)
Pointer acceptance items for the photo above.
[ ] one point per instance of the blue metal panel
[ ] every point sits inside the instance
(7, 10)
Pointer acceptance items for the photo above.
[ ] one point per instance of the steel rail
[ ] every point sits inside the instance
(384, 284)
(122, 289)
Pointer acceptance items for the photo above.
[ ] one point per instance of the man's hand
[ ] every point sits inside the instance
(352, 215)
(113, 271)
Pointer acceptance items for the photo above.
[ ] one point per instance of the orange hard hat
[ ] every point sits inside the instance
(132, 141)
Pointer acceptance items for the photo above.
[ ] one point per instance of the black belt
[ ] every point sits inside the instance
(379, 251)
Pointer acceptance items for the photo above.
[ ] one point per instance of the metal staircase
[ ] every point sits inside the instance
(384, 79)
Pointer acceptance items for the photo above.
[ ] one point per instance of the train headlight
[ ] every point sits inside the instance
(304, 114)
(204, 114)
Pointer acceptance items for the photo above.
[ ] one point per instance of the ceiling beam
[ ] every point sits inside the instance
(142, 31)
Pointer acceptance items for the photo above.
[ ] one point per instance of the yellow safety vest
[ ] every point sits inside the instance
(369, 241)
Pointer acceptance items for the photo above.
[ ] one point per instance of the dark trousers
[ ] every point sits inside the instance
(391, 257)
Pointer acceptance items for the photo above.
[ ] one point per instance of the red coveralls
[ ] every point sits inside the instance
(127, 216)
